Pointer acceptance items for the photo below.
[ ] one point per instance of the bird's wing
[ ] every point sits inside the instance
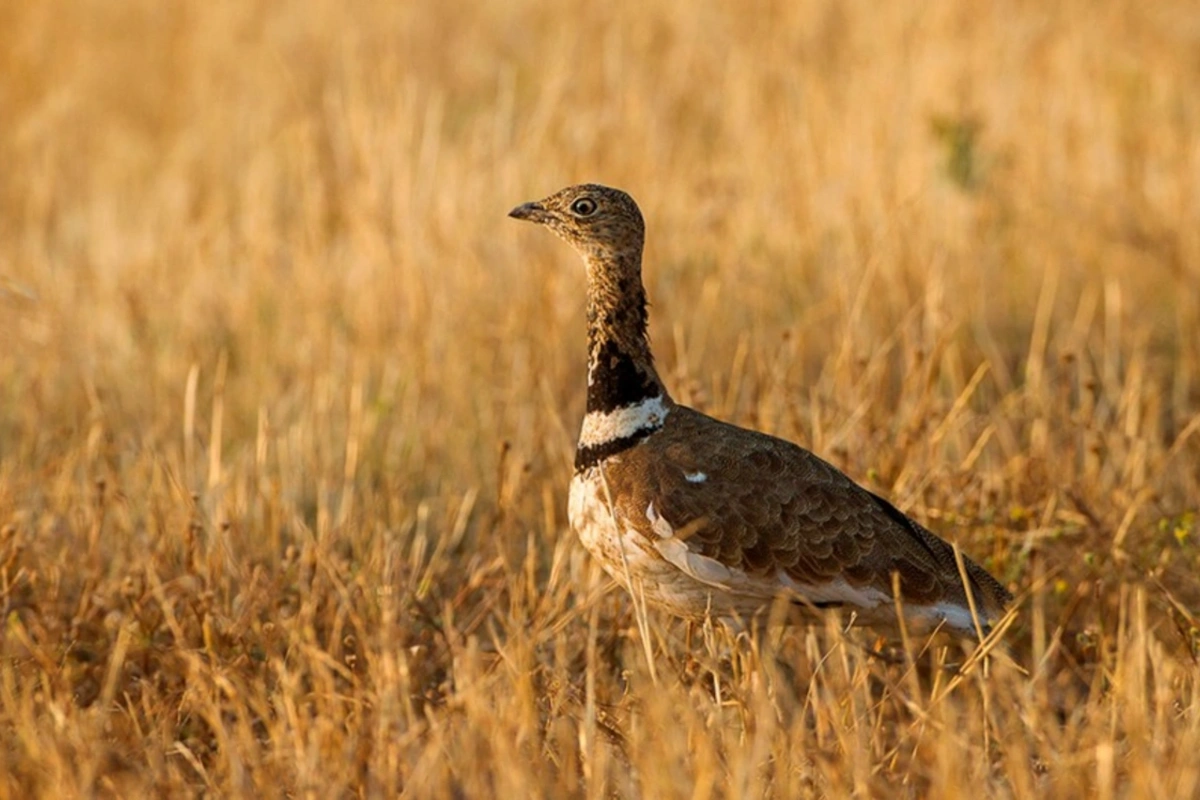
(719, 500)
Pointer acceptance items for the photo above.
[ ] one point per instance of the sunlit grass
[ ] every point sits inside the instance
(288, 405)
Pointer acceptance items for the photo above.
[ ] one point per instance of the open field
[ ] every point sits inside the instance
(288, 405)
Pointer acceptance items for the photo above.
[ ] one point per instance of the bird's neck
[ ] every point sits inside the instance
(620, 365)
(626, 400)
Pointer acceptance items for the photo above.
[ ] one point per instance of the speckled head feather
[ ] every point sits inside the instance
(599, 222)
(703, 517)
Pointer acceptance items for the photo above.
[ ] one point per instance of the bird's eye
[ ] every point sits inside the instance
(583, 207)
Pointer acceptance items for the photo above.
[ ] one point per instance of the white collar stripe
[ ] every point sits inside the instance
(600, 427)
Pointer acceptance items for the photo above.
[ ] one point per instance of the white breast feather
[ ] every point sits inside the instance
(704, 569)
(658, 524)
(836, 591)
(955, 616)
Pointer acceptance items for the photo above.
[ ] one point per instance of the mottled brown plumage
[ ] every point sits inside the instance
(703, 517)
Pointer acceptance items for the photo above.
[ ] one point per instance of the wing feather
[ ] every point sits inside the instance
(773, 511)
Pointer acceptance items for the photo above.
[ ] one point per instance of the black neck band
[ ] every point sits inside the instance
(592, 455)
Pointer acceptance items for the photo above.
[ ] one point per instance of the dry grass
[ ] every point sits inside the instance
(287, 405)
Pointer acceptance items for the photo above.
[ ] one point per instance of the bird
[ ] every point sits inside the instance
(703, 518)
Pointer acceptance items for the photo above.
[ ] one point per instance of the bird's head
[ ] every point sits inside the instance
(596, 220)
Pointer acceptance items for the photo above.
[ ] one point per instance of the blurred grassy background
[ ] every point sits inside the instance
(287, 405)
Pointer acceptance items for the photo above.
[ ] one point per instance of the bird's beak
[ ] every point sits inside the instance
(534, 212)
